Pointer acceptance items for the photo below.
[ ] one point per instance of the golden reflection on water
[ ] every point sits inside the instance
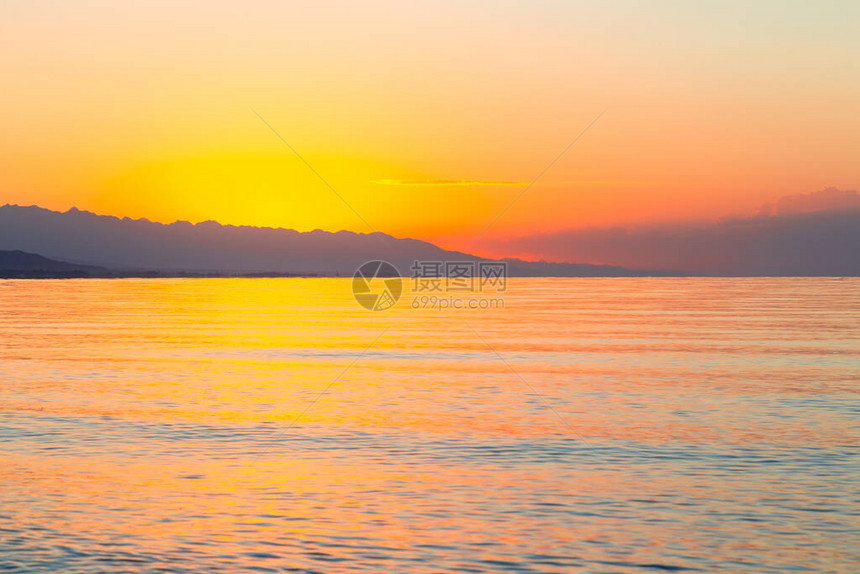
(700, 423)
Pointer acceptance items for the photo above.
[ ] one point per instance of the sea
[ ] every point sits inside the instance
(556, 425)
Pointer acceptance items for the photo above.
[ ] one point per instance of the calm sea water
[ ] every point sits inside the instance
(606, 425)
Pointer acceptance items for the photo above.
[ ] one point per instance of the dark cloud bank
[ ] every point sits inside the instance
(809, 234)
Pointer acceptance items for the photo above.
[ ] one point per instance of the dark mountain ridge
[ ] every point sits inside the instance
(139, 246)
(19, 264)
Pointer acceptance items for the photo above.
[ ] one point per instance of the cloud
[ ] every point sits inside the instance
(830, 199)
(809, 234)
(488, 182)
(445, 182)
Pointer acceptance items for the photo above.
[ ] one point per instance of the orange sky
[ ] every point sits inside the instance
(147, 110)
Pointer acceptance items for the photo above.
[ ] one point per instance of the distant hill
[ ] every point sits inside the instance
(23, 265)
(138, 247)
(19, 264)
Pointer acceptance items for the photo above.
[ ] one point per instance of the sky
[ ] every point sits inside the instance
(427, 119)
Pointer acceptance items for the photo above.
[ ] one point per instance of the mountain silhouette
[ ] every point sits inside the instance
(21, 264)
(139, 247)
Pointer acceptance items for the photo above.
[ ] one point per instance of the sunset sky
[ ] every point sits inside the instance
(429, 119)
